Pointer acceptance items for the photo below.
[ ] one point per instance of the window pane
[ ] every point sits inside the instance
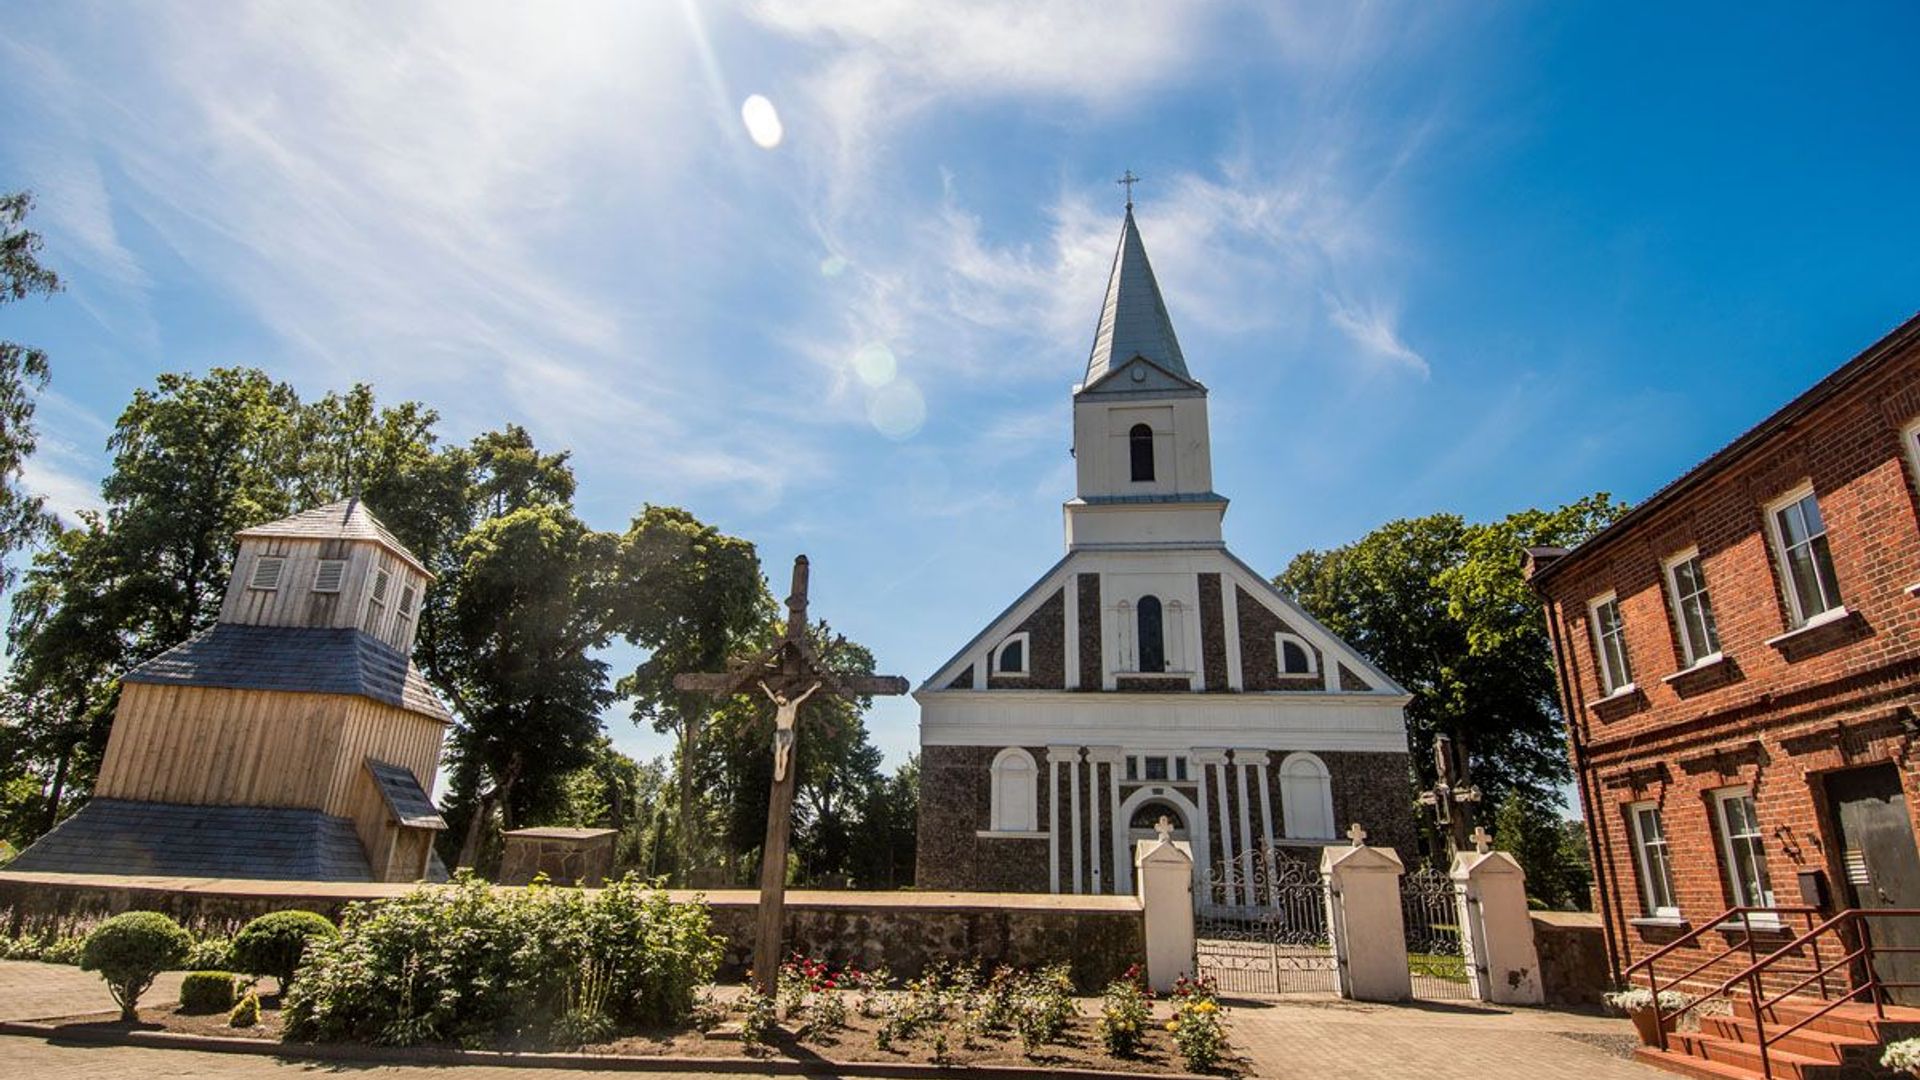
(1152, 644)
(1806, 582)
(1179, 768)
(1823, 569)
(1133, 768)
(1156, 768)
(1793, 528)
(1013, 657)
(1810, 511)
(1656, 868)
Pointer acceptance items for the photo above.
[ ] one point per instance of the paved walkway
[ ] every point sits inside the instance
(1308, 1038)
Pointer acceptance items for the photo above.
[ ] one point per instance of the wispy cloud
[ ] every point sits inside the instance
(1372, 328)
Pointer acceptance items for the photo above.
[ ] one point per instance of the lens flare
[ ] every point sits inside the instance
(875, 364)
(897, 410)
(763, 122)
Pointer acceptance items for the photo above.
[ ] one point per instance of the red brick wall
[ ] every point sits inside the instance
(1774, 717)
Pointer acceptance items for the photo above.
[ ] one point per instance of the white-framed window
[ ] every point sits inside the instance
(1910, 442)
(1806, 564)
(1610, 644)
(1013, 656)
(1743, 848)
(1016, 792)
(1692, 607)
(328, 575)
(267, 571)
(378, 586)
(1157, 768)
(1306, 798)
(1293, 655)
(1655, 864)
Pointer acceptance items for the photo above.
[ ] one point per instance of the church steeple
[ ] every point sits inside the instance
(1133, 321)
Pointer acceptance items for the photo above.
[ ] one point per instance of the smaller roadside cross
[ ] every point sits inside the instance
(1358, 834)
(1482, 842)
(1164, 828)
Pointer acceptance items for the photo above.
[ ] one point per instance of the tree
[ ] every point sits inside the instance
(1440, 605)
(23, 370)
(614, 791)
(691, 596)
(518, 663)
(1551, 849)
(884, 839)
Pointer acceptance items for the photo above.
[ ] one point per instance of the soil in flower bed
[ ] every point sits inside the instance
(1078, 1048)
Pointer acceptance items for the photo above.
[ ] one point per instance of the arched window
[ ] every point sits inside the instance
(1140, 451)
(1011, 657)
(1016, 786)
(1148, 814)
(1306, 798)
(1293, 654)
(1153, 647)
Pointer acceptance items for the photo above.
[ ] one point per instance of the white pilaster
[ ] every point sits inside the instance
(1071, 637)
(1230, 614)
(1246, 829)
(1096, 879)
(1258, 760)
(1114, 757)
(1205, 761)
(1073, 782)
(1055, 755)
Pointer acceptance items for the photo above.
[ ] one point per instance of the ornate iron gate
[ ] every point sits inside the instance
(1261, 926)
(1436, 957)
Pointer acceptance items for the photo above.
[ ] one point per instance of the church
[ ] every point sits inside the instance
(1149, 672)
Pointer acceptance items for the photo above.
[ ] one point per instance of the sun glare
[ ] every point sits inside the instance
(763, 122)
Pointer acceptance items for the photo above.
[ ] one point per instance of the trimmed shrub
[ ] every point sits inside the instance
(247, 1013)
(212, 953)
(129, 950)
(467, 964)
(274, 944)
(207, 991)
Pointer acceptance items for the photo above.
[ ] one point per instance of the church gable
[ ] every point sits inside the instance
(1032, 655)
(1284, 648)
(1142, 376)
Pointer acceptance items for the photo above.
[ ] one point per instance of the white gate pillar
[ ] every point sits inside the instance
(1496, 929)
(1163, 870)
(1364, 917)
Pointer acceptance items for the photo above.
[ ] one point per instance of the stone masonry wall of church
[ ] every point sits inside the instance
(956, 802)
(1376, 790)
(1089, 631)
(1046, 648)
(1259, 668)
(1213, 633)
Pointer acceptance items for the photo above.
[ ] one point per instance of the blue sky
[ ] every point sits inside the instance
(1427, 256)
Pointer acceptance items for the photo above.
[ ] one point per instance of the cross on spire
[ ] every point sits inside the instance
(1127, 181)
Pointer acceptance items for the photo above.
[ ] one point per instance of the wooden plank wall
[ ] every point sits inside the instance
(190, 744)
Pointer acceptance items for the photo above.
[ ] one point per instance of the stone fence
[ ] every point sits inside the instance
(1573, 957)
(1098, 936)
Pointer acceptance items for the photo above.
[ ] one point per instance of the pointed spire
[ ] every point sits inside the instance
(1134, 320)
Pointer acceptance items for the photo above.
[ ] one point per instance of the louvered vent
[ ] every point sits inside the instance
(406, 602)
(381, 580)
(266, 572)
(329, 575)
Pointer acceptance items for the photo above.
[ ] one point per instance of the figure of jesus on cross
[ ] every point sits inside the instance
(788, 674)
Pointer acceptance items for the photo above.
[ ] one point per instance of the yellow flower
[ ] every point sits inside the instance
(1173, 1025)
(1208, 1006)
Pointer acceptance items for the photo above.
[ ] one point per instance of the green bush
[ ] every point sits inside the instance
(247, 1013)
(211, 953)
(207, 991)
(466, 963)
(274, 944)
(129, 950)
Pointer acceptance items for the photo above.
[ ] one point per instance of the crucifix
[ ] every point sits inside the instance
(788, 674)
(1453, 793)
(1127, 181)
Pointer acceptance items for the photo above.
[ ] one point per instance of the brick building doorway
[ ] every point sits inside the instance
(1880, 867)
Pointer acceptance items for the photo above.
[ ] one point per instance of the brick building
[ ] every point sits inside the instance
(1149, 672)
(1739, 663)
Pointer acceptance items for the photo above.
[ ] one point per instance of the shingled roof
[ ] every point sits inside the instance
(1133, 320)
(313, 660)
(347, 519)
(405, 799)
(119, 836)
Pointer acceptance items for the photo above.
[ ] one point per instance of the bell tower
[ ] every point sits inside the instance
(1143, 462)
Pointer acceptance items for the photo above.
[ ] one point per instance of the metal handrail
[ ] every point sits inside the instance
(1761, 1004)
(1745, 915)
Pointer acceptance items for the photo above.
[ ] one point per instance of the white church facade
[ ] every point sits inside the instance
(1149, 671)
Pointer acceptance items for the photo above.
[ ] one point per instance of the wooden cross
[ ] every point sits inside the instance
(1358, 834)
(1127, 181)
(788, 674)
(1453, 793)
(1482, 842)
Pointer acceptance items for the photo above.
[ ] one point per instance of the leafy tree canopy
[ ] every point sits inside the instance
(1440, 605)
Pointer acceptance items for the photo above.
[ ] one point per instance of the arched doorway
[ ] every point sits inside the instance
(1134, 823)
